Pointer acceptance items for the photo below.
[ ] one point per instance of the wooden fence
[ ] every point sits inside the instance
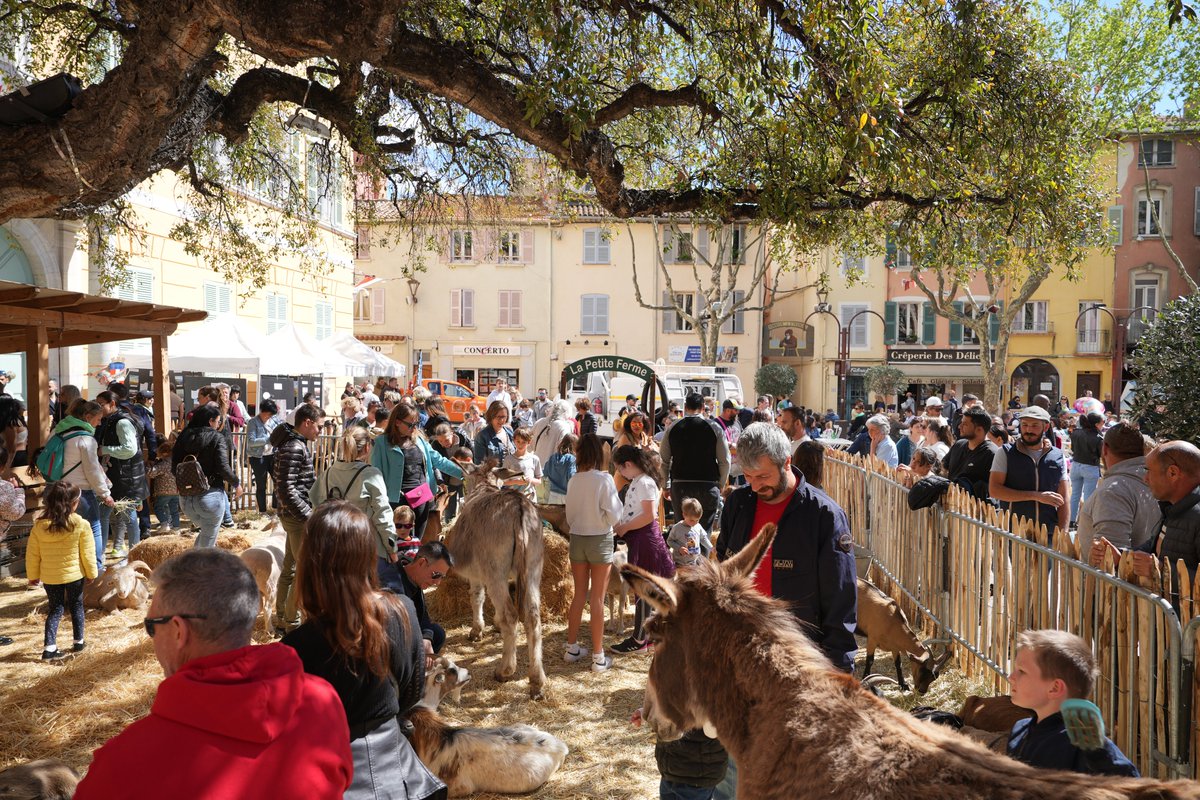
(977, 576)
(324, 451)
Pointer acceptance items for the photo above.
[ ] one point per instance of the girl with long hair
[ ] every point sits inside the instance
(367, 644)
(61, 554)
(639, 527)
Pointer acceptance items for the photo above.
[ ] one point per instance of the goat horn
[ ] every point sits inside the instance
(875, 680)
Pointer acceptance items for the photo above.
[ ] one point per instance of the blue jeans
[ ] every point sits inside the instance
(1083, 482)
(166, 508)
(669, 790)
(89, 509)
(727, 789)
(206, 511)
(122, 525)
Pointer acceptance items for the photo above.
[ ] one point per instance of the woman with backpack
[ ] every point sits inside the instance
(202, 470)
(80, 465)
(353, 479)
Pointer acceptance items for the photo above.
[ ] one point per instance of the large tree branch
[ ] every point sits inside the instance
(641, 95)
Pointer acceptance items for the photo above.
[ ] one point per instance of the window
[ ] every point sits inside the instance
(1032, 318)
(323, 319)
(860, 330)
(1088, 326)
(736, 323)
(508, 307)
(687, 302)
(462, 246)
(683, 246)
(852, 264)
(362, 243)
(324, 184)
(138, 286)
(593, 313)
(277, 312)
(218, 299)
(509, 247)
(1145, 297)
(1149, 217)
(1116, 224)
(462, 308)
(1157, 153)
(737, 245)
(369, 305)
(451, 390)
(908, 322)
(969, 336)
(595, 246)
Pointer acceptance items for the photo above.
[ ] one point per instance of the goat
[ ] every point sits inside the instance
(118, 587)
(738, 664)
(497, 535)
(48, 779)
(512, 759)
(265, 560)
(882, 621)
(617, 593)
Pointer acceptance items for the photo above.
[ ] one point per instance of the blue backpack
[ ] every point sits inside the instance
(49, 460)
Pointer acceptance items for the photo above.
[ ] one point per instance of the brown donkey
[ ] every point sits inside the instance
(736, 663)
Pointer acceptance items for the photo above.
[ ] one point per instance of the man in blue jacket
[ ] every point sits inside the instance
(811, 562)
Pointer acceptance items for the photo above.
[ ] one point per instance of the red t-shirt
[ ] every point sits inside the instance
(763, 514)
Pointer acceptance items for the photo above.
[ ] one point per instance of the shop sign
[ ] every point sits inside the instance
(486, 350)
(606, 364)
(933, 355)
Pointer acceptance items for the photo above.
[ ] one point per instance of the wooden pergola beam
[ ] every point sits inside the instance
(19, 295)
(100, 306)
(62, 300)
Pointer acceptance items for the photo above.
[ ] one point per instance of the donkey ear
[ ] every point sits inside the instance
(744, 563)
(660, 593)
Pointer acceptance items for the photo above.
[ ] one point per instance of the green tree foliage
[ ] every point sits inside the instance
(1168, 372)
(777, 380)
(884, 380)
(832, 118)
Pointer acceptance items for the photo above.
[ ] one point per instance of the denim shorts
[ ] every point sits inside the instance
(591, 549)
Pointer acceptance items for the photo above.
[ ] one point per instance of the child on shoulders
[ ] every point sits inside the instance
(687, 540)
(1051, 667)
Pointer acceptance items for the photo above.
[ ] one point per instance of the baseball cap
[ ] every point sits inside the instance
(145, 394)
(1035, 412)
(934, 401)
(728, 404)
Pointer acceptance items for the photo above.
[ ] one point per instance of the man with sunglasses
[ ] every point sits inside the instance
(427, 568)
(230, 719)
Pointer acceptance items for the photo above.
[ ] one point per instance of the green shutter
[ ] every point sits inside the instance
(956, 327)
(890, 259)
(928, 324)
(889, 323)
(994, 323)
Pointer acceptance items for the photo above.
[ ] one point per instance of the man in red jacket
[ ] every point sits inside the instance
(231, 720)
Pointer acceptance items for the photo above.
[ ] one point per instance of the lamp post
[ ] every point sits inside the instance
(1120, 335)
(823, 307)
(413, 285)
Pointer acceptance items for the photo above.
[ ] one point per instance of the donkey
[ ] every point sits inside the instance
(498, 535)
(737, 664)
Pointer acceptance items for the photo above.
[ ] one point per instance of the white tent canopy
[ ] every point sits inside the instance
(220, 346)
(318, 355)
(375, 363)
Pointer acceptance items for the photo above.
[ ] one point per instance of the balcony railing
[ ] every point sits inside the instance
(1093, 342)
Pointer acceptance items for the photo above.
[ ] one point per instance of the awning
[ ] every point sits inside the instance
(375, 363)
(318, 355)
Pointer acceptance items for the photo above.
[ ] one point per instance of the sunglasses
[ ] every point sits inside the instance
(437, 576)
(407, 525)
(151, 622)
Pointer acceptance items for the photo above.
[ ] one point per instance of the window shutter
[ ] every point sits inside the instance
(994, 323)
(600, 312)
(362, 240)
(928, 324)
(591, 252)
(1196, 214)
(456, 308)
(670, 238)
(668, 316)
(889, 259)
(504, 317)
(587, 305)
(514, 308)
(468, 308)
(700, 238)
(489, 244)
(1116, 222)
(447, 238)
(956, 327)
(527, 247)
(736, 323)
(890, 323)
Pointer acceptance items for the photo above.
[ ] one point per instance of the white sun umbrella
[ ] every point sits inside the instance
(318, 356)
(375, 363)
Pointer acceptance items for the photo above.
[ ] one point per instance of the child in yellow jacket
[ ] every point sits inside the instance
(61, 554)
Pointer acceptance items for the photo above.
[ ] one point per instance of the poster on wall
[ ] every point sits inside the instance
(690, 354)
(787, 340)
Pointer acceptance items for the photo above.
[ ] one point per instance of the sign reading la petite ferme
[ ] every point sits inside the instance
(933, 355)
(607, 364)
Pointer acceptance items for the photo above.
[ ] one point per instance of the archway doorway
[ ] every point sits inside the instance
(1035, 376)
(14, 266)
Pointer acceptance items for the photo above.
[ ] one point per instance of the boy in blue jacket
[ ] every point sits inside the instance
(1050, 667)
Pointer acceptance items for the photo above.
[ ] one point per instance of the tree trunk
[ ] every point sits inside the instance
(994, 369)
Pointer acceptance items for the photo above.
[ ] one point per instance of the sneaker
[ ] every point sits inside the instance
(112, 550)
(5, 640)
(53, 655)
(78, 647)
(572, 655)
(630, 645)
(601, 662)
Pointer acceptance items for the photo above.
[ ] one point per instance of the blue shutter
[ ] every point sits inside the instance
(928, 324)
(889, 323)
(956, 327)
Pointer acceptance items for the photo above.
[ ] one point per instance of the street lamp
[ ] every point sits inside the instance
(1120, 333)
(413, 285)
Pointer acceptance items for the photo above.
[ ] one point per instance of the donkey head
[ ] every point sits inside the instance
(688, 611)
(479, 477)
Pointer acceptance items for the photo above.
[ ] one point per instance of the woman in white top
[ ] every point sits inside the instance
(937, 436)
(639, 528)
(81, 466)
(592, 508)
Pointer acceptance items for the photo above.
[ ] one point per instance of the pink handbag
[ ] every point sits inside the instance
(419, 496)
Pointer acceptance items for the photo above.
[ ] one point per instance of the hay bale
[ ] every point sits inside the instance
(157, 549)
(450, 603)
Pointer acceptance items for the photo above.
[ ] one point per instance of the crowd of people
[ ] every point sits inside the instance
(357, 636)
